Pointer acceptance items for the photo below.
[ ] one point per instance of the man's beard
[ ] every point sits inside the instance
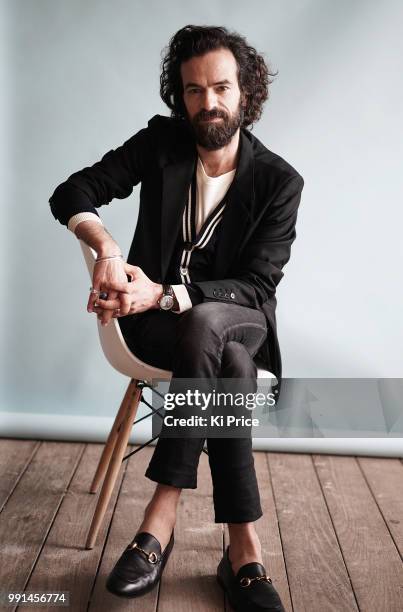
(216, 134)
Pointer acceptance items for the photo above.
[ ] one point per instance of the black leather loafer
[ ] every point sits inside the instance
(251, 590)
(140, 566)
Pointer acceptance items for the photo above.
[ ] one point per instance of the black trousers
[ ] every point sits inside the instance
(211, 340)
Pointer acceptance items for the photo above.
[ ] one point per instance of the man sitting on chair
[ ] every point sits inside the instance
(215, 227)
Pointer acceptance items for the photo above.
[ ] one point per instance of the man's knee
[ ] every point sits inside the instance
(237, 361)
(235, 353)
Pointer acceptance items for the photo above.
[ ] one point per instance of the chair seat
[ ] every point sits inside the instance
(263, 372)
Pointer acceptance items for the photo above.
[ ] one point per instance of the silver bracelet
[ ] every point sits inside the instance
(110, 257)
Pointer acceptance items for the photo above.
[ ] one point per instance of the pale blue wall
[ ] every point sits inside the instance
(81, 77)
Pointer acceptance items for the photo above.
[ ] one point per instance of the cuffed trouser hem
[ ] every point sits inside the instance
(236, 495)
(171, 478)
(237, 518)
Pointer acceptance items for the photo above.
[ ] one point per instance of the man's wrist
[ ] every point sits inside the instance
(108, 249)
(175, 307)
(159, 290)
(97, 237)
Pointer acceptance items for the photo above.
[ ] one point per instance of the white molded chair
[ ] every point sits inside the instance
(141, 374)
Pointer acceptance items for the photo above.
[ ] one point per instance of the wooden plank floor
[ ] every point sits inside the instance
(331, 533)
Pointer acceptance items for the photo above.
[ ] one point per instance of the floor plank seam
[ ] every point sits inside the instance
(157, 602)
(225, 605)
(21, 474)
(101, 556)
(378, 506)
(279, 527)
(335, 531)
(63, 495)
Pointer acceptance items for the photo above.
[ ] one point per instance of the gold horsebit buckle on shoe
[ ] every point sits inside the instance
(151, 557)
(246, 581)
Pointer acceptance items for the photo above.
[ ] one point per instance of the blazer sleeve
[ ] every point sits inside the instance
(114, 176)
(259, 269)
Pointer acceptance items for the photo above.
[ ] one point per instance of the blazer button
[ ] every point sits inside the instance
(232, 295)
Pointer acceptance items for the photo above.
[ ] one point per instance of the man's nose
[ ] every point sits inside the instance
(209, 100)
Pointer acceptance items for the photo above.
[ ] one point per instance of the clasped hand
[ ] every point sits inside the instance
(124, 297)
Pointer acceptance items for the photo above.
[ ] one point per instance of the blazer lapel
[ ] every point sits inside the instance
(176, 180)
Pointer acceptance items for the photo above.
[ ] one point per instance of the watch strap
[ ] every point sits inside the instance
(167, 290)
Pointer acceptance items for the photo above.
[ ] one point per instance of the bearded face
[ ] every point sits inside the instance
(213, 129)
(212, 98)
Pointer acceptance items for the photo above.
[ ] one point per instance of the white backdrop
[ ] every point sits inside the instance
(82, 77)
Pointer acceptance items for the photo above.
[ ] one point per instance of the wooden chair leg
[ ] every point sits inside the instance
(114, 465)
(113, 435)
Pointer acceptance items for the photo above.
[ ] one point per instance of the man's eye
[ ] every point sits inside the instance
(223, 87)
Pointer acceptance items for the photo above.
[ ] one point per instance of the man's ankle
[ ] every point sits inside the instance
(243, 531)
(160, 513)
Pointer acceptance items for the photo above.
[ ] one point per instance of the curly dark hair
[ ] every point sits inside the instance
(190, 41)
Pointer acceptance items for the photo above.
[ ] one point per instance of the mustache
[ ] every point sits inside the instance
(213, 114)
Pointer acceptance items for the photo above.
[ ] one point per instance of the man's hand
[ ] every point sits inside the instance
(129, 297)
(106, 274)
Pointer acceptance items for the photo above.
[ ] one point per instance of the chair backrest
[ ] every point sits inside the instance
(113, 343)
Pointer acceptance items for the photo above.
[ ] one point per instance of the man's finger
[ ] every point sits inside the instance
(108, 304)
(125, 303)
(94, 294)
(107, 314)
(118, 286)
(99, 312)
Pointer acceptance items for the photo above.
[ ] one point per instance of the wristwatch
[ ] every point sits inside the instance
(167, 300)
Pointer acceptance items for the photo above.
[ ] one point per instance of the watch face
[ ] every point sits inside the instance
(166, 302)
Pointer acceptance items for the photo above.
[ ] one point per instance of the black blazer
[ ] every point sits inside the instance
(258, 226)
